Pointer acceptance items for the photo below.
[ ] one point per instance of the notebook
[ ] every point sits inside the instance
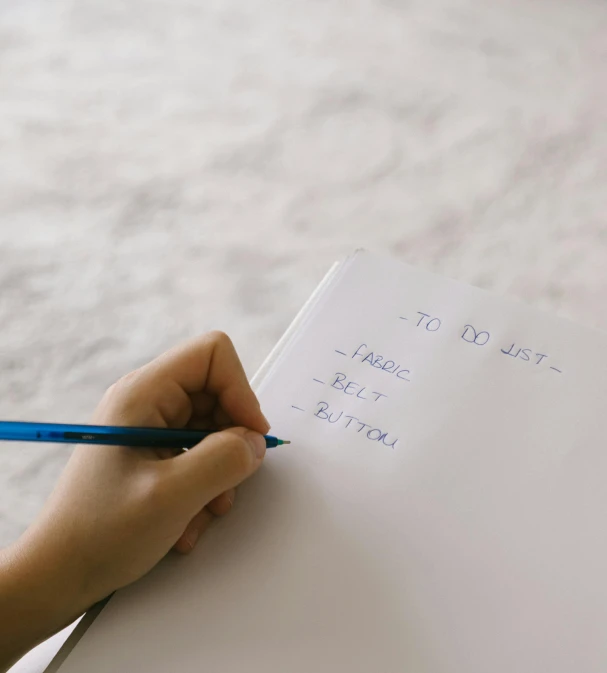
(442, 507)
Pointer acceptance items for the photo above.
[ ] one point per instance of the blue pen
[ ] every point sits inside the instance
(105, 434)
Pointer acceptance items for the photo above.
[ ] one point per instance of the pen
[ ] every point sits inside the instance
(17, 431)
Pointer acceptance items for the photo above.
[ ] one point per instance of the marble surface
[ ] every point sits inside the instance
(171, 166)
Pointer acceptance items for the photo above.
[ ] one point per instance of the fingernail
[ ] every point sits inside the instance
(268, 426)
(230, 495)
(257, 443)
(192, 537)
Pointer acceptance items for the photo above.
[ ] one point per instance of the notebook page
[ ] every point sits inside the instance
(441, 508)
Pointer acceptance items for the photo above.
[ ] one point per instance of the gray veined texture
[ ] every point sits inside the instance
(171, 167)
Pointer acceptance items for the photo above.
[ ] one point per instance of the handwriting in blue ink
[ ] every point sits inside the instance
(365, 355)
(340, 382)
(525, 354)
(354, 424)
(471, 336)
(428, 322)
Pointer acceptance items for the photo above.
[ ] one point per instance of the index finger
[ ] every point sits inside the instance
(210, 363)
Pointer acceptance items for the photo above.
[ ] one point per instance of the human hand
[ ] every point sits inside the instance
(116, 511)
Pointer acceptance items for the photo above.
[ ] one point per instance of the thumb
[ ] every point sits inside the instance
(220, 462)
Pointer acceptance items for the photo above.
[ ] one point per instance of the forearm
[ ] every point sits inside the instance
(36, 600)
(116, 512)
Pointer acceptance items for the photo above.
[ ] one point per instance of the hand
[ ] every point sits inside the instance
(116, 511)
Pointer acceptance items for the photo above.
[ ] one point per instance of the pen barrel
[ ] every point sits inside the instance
(184, 441)
(107, 435)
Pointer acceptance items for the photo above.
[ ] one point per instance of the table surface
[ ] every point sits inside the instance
(163, 156)
(177, 166)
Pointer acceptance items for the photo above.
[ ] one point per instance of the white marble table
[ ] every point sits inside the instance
(176, 166)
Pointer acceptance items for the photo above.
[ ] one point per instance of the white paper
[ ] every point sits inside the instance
(475, 543)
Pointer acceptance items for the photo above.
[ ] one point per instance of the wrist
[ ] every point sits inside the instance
(38, 597)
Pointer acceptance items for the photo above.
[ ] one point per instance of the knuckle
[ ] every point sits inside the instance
(122, 398)
(127, 381)
(123, 386)
(220, 338)
(238, 456)
(158, 483)
(154, 488)
(109, 393)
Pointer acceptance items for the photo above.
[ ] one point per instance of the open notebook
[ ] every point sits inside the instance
(442, 508)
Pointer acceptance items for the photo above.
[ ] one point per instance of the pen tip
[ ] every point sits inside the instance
(286, 441)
